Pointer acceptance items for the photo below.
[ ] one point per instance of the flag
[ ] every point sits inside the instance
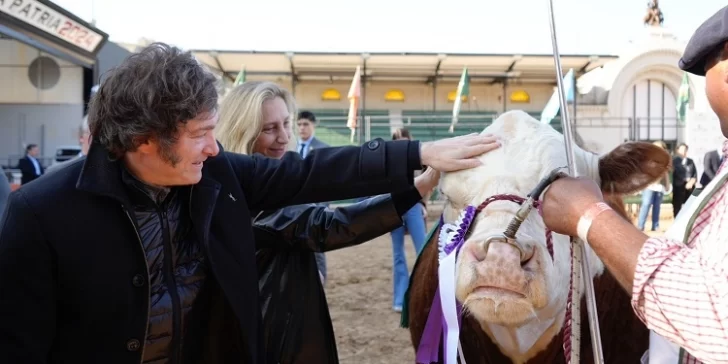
(463, 90)
(241, 76)
(683, 98)
(552, 107)
(354, 96)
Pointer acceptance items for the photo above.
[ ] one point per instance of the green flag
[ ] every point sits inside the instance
(683, 98)
(463, 90)
(241, 76)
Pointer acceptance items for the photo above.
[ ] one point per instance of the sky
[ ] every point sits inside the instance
(452, 26)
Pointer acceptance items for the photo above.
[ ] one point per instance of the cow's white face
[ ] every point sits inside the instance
(521, 305)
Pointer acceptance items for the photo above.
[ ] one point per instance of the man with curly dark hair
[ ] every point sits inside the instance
(142, 251)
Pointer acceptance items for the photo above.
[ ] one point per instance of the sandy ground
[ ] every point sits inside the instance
(359, 292)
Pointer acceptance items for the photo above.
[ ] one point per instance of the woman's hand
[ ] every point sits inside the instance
(427, 181)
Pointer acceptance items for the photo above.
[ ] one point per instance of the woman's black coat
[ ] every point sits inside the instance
(296, 323)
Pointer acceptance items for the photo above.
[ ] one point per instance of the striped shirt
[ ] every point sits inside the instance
(681, 291)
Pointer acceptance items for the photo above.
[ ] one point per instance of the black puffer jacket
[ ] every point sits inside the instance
(175, 261)
(296, 322)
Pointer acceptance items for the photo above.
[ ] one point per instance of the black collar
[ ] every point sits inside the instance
(103, 175)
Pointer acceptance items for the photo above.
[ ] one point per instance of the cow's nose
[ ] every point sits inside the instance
(498, 247)
(527, 250)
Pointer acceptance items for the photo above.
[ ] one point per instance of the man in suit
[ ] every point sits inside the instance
(711, 162)
(684, 177)
(306, 129)
(29, 165)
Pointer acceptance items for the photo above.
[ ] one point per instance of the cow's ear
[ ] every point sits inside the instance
(632, 166)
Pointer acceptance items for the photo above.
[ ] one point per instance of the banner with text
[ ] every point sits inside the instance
(44, 18)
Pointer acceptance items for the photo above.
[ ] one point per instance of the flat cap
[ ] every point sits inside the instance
(711, 34)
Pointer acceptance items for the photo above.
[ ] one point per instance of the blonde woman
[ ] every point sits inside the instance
(652, 196)
(256, 117)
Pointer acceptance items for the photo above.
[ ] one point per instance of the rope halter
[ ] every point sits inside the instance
(445, 313)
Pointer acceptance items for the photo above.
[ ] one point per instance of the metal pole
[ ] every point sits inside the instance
(649, 114)
(568, 141)
(434, 95)
(363, 101)
(566, 125)
(662, 113)
(505, 95)
(576, 96)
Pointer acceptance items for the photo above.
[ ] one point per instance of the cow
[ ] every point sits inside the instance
(514, 310)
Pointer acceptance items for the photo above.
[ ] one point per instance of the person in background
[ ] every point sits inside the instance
(4, 191)
(678, 282)
(306, 123)
(29, 165)
(306, 132)
(256, 117)
(414, 223)
(684, 177)
(84, 140)
(652, 196)
(711, 163)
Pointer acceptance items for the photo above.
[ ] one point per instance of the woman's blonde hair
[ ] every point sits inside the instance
(660, 143)
(241, 115)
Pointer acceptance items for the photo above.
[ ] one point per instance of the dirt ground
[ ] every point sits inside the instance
(359, 293)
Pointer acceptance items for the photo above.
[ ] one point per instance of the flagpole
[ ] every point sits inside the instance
(575, 90)
(354, 103)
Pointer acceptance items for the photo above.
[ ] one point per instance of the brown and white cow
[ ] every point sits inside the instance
(514, 311)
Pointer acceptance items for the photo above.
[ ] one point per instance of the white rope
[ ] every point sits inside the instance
(576, 274)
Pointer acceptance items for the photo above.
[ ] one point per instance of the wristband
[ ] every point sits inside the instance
(585, 221)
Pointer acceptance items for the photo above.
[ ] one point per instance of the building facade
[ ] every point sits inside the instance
(49, 61)
(628, 96)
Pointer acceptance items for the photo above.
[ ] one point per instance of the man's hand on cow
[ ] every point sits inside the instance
(566, 201)
(454, 154)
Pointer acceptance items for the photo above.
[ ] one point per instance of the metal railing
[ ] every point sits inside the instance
(333, 130)
(432, 126)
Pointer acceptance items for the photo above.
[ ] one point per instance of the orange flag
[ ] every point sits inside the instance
(354, 96)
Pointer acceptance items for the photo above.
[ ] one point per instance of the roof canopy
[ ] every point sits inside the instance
(414, 67)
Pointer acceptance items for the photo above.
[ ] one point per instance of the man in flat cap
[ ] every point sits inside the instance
(679, 282)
